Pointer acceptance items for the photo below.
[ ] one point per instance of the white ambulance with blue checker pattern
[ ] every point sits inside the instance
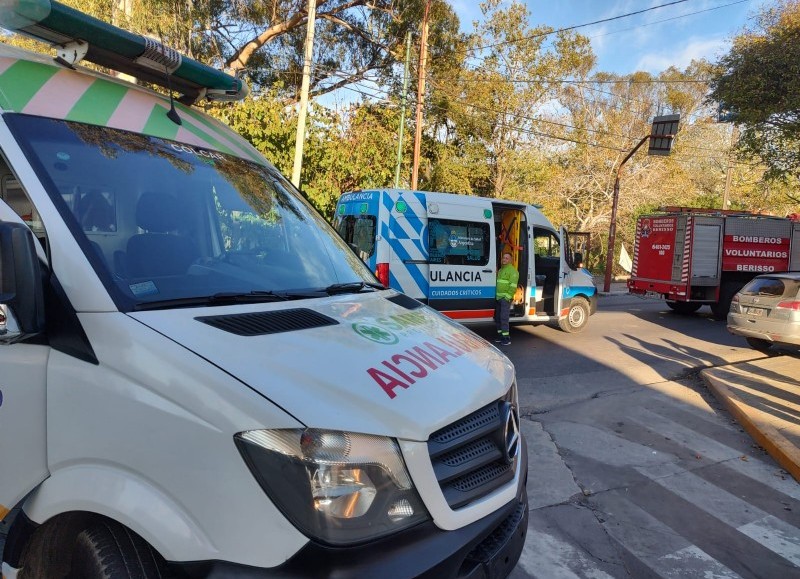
(444, 250)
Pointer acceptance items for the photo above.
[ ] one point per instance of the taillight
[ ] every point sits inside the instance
(789, 305)
(382, 273)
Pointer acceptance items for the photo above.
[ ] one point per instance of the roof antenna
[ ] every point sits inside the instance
(172, 114)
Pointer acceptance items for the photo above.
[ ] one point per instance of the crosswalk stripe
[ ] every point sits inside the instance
(697, 442)
(547, 557)
(708, 448)
(657, 545)
(776, 535)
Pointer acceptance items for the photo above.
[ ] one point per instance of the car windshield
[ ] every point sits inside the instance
(164, 222)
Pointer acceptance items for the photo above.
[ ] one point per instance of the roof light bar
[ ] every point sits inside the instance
(76, 35)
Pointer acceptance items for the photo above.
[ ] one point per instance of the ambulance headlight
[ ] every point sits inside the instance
(337, 487)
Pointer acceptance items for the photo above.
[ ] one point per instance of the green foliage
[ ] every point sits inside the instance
(758, 84)
(512, 110)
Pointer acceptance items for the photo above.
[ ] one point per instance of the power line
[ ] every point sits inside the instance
(544, 34)
(670, 19)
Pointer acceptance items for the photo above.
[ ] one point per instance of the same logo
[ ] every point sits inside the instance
(376, 334)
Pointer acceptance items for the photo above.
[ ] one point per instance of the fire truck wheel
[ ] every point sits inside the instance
(721, 308)
(108, 550)
(684, 308)
(577, 317)
(759, 344)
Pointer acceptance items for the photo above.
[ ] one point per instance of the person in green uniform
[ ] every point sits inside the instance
(507, 278)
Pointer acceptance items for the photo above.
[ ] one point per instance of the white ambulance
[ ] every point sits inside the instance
(445, 249)
(198, 378)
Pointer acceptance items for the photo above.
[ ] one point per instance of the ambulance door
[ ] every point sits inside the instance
(407, 242)
(462, 258)
(566, 268)
(23, 370)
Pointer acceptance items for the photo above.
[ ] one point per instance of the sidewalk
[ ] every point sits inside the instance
(764, 397)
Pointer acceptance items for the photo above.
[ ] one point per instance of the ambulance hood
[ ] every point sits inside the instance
(375, 362)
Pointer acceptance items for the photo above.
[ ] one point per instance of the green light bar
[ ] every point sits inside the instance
(77, 35)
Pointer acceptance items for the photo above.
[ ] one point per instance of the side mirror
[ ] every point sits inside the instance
(21, 288)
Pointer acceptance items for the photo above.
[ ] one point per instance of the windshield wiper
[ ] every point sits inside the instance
(252, 296)
(256, 296)
(352, 287)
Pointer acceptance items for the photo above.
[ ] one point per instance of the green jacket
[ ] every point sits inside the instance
(507, 279)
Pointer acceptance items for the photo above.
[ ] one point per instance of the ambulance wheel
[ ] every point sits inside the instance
(684, 308)
(107, 550)
(577, 316)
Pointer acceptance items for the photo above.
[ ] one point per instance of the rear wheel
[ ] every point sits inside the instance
(577, 317)
(759, 344)
(107, 550)
(684, 308)
(721, 308)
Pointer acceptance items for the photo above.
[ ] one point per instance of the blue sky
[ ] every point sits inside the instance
(652, 41)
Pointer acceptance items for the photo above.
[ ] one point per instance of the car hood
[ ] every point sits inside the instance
(377, 362)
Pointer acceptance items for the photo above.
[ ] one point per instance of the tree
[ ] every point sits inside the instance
(263, 39)
(508, 73)
(758, 85)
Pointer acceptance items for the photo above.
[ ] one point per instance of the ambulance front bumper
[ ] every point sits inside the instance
(486, 549)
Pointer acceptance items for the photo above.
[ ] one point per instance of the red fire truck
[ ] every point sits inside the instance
(691, 257)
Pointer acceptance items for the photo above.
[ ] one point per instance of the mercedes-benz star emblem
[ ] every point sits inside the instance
(510, 433)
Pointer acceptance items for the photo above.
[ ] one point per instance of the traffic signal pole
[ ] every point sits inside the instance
(612, 229)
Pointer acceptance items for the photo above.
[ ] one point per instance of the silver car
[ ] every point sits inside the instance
(767, 311)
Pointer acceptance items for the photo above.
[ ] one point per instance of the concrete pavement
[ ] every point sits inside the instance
(764, 397)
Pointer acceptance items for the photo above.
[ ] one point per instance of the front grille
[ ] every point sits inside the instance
(469, 457)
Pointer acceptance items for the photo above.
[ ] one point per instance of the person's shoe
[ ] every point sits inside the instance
(498, 339)
(506, 341)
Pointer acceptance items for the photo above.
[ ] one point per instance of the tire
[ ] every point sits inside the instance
(759, 344)
(721, 308)
(684, 308)
(107, 550)
(577, 316)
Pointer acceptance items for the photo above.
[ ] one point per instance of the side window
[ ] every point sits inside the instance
(358, 230)
(15, 197)
(453, 242)
(546, 243)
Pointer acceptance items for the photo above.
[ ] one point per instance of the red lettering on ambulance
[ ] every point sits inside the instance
(426, 358)
(420, 372)
(385, 381)
(399, 372)
(441, 352)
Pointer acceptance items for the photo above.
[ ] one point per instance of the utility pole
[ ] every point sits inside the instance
(121, 11)
(423, 56)
(301, 118)
(728, 173)
(402, 114)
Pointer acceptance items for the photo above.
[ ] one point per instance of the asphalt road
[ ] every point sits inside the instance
(635, 470)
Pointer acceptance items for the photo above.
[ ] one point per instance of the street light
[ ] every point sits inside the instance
(661, 135)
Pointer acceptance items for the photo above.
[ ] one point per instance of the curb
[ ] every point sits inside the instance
(757, 425)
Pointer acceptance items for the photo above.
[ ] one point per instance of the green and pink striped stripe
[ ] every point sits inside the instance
(39, 88)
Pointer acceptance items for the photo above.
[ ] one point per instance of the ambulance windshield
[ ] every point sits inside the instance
(163, 221)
